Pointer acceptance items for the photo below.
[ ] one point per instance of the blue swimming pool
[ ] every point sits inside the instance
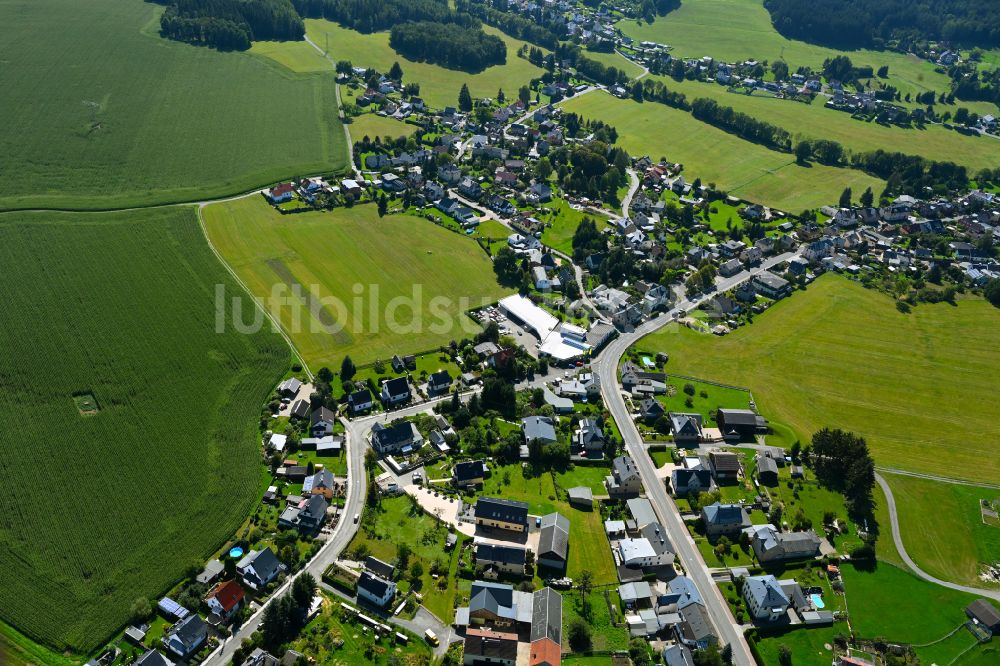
(817, 600)
(235, 552)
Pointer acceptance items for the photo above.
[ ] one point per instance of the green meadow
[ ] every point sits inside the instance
(738, 30)
(358, 270)
(371, 125)
(962, 543)
(837, 355)
(101, 112)
(742, 168)
(438, 86)
(815, 121)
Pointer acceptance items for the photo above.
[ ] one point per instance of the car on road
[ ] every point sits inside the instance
(431, 637)
(357, 517)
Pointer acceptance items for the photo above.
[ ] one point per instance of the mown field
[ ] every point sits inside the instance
(950, 512)
(738, 30)
(388, 259)
(438, 86)
(99, 509)
(100, 112)
(838, 355)
(744, 169)
(814, 121)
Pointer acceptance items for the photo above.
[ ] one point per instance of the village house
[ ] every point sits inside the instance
(225, 599)
(765, 599)
(739, 424)
(395, 391)
(553, 542)
(306, 516)
(186, 637)
(770, 545)
(469, 474)
(375, 590)
(686, 427)
(685, 482)
(500, 558)
(399, 437)
(624, 480)
(258, 568)
(322, 422)
(539, 428)
(724, 520)
(360, 401)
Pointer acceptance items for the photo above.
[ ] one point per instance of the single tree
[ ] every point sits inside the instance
(845, 198)
(347, 369)
(464, 99)
(867, 198)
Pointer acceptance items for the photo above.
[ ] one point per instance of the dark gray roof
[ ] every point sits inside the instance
(323, 414)
(374, 585)
(490, 648)
(300, 408)
(553, 542)
(765, 465)
(684, 475)
(985, 612)
(509, 511)
(397, 385)
(724, 461)
(362, 397)
(623, 468)
(379, 568)
(440, 377)
(190, 631)
(468, 470)
(696, 625)
(538, 427)
(153, 658)
(488, 552)
(739, 416)
(725, 514)
(403, 432)
(546, 615)
(496, 598)
(264, 563)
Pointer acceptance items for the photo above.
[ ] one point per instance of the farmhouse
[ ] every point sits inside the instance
(983, 612)
(375, 590)
(258, 568)
(503, 514)
(399, 437)
(767, 471)
(737, 424)
(502, 558)
(320, 483)
(484, 646)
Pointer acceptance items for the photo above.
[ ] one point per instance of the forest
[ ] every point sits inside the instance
(373, 15)
(230, 25)
(873, 23)
(465, 48)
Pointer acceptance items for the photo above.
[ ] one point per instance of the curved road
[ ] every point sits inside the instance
(901, 549)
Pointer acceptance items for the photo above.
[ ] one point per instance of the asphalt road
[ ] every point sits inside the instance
(606, 366)
(901, 549)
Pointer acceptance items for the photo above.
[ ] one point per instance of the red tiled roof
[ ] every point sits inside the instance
(283, 188)
(545, 652)
(228, 594)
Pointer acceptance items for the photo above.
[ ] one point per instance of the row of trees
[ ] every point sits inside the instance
(373, 15)
(535, 29)
(230, 25)
(871, 23)
(741, 124)
(466, 48)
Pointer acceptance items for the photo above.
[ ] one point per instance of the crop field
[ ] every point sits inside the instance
(100, 112)
(371, 125)
(438, 86)
(961, 543)
(814, 121)
(837, 354)
(327, 255)
(742, 168)
(98, 509)
(738, 30)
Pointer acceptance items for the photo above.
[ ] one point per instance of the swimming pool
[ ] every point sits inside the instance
(817, 600)
(235, 552)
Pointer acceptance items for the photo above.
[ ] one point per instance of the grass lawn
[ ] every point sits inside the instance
(961, 543)
(736, 30)
(807, 645)
(588, 549)
(334, 253)
(372, 125)
(177, 406)
(706, 399)
(336, 638)
(394, 522)
(836, 355)
(591, 476)
(563, 222)
(893, 603)
(815, 121)
(594, 612)
(147, 120)
(438, 86)
(742, 168)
